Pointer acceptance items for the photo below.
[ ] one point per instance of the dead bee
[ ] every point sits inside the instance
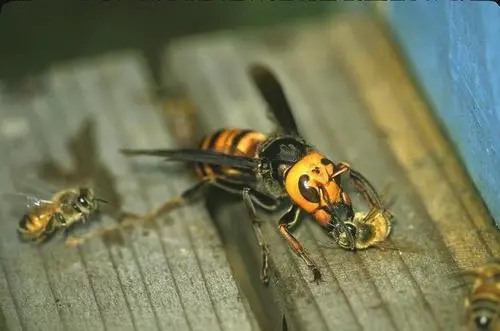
(483, 302)
(372, 228)
(43, 217)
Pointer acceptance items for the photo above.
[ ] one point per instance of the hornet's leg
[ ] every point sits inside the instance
(264, 248)
(129, 219)
(262, 200)
(362, 184)
(288, 220)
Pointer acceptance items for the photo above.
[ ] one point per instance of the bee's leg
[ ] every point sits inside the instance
(85, 219)
(23, 235)
(42, 237)
(264, 248)
(289, 219)
(39, 240)
(363, 185)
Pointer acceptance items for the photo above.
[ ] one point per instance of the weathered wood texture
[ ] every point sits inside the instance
(173, 275)
(352, 99)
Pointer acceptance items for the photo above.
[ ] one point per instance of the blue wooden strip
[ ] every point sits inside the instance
(455, 51)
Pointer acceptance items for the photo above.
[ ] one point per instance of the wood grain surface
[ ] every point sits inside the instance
(198, 268)
(171, 275)
(352, 99)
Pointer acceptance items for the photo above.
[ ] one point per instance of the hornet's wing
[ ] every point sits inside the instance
(198, 155)
(272, 92)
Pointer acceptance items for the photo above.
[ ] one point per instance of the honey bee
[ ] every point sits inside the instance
(43, 218)
(483, 302)
(372, 228)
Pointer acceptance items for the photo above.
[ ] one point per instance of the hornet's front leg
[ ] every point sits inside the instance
(362, 184)
(288, 220)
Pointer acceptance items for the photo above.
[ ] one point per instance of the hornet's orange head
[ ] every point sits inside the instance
(311, 185)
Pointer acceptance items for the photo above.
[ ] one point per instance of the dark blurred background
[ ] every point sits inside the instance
(36, 34)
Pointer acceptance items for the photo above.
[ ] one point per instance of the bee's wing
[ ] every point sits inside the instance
(272, 92)
(20, 203)
(198, 155)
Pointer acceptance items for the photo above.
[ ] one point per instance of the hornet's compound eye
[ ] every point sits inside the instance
(311, 194)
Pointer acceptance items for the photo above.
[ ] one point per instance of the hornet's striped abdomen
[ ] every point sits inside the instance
(229, 141)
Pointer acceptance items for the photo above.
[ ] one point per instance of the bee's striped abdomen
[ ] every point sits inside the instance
(484, 309)
(32, 223)
(31, 227)
(229, 141)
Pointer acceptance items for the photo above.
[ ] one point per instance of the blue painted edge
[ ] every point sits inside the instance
(453, 48)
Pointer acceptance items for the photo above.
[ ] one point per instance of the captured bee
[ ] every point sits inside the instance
(372, 228)
(44, 217)
(483, 301)
(269, 170)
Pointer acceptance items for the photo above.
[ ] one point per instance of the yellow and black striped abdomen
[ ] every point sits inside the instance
(33, 225)
(229, 141)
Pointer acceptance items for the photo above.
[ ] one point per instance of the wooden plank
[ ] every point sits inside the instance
(401, 279)
(83, 130)
(26, 272)
(470, 236)
(216, 111)
(308, 307)
(340, 79)
(156, 278)
(192, 248)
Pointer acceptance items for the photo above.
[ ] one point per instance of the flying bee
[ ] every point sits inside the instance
(44, 217)
(271, 170)
(483, 302)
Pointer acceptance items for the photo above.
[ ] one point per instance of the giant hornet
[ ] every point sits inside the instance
(43, 217)
(270, 169)
(483, 301)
